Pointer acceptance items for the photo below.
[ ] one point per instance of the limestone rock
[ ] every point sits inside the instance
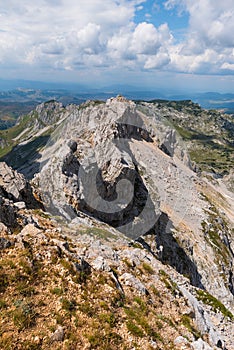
(180, 341)
(20, 205)
(121, 163)
(94, 170)
(58, 335)
(14, 186)
(11, 182)
(4, 229)
(30, 230)
(200, 345)
(203, 321)
(129, 280)
(100, 264)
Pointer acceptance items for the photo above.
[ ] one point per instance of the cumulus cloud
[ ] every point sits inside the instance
(70, 28)
(79, 34)
(143, 44)
(145, 39)
(209, 42)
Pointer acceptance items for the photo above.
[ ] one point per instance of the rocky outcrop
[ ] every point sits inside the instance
(45, 114)
(14, 186)
(95, 171)
(15, 194)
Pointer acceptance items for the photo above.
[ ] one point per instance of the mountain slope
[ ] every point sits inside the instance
(60, 281)
(115, 174)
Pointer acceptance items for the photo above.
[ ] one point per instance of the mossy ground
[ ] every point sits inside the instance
(41, 289)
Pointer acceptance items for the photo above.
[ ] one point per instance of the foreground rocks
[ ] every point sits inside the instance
(15, 194)
(60, 283)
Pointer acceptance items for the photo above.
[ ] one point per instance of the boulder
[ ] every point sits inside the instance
(15, 187)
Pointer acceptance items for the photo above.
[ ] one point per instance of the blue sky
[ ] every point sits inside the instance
(168, 44)
(155, 12)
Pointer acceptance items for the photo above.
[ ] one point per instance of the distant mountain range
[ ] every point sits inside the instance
(37, 92)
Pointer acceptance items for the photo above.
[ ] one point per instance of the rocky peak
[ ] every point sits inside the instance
(46, 114)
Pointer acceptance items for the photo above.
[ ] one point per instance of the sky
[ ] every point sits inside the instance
(171, 44)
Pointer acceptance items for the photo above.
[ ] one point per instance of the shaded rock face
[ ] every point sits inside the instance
(7, 212)
(94, 170)
(173, 253)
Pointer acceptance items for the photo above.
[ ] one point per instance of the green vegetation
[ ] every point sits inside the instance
(138, 320)
(37, 297)
(148, 268)
(110, 341)
(23, 315)
(98, 232)
(188, 323)
(3, 304)
(57, 291)
(216, 305)
(68, 305)
(170, 285)
(212, 227)
(208, 134)
(10, 111)
(15, 157)
(134, 329)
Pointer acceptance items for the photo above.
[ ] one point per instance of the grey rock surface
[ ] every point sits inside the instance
(129, 280)
(58, 335)
(200, 345)
(15, 187)
(120, 164)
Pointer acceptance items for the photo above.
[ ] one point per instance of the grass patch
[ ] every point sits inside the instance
(23, 316)
(3, 304)
(99, 232)
(148, 268)
(170, 285)
(138, 320)
(68, 305)
(216, 305)
(134, 329)
(109, 340)
(56, 291)
(211, 229)
(188, 323)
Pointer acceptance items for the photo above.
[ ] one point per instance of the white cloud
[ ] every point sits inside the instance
(145, 39)
(159, 60)
(228, 66)
(145, 44)
(209, 40)
(79, 34)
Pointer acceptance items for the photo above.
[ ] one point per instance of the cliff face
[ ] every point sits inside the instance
(120, 183)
